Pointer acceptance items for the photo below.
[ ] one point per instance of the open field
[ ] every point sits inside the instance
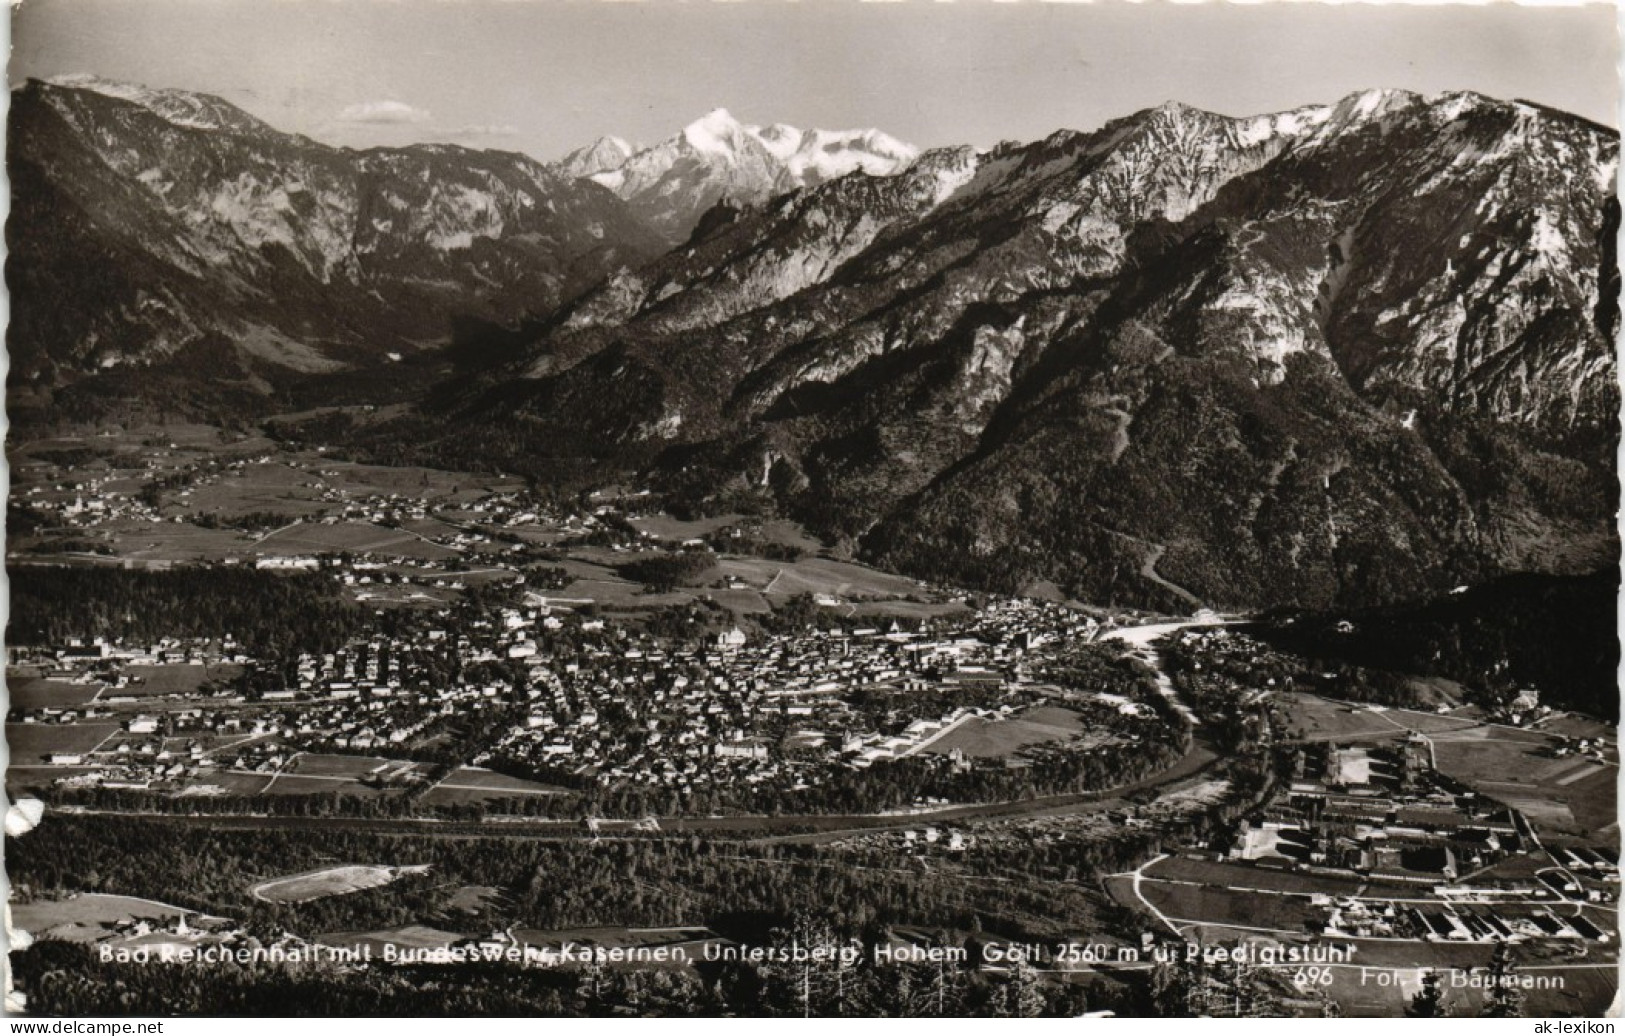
(266, 488)
(432, 482)
(37, 692)
(579, 568)
(1564, 795)
(334, 881)
(741, 602)
(1430, 722)
(1312, 718)
(819, 575)
(781, 531)
(39, 777)
(433, 528)
(612, 935)
(355, 537)
(87, 916)
(158, 680)
(665, 527)
(991, 739)
(866, 591)
(297, 785)
(30, 742)
(790, 534)
(618, 593)
(1232, 875)
(1191, 903)
(159, 542)
(1316, 719)
(403, 596)
(472, 784)
(310, 764)
(900, 609)
(490, 780)
(316, 774)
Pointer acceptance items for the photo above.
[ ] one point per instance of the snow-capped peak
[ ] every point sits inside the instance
(716, 132)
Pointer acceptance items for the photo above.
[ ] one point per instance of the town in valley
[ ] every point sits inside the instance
(489, 661)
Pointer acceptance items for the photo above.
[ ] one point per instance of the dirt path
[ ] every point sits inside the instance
(1148, 569)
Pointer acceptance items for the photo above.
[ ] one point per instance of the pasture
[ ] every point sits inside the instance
(414, 481)
(1240, 876)
(87, 916)
(272, 488)
(472, 784)
(38, 692)
(152, 681)
(158, 542)
(993, 739)
(355, 537)
(1312, 718)
(818, 576)
(619, 594)
(1563, 795)
(901, 609)
(741, 602)
(31, 742)
(1216, 906)
(665, 527)
(314, 764)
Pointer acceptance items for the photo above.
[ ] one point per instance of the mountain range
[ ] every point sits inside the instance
(1346, 354)
(158, 227)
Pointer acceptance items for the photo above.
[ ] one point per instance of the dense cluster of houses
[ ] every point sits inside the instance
(626, 708)
(574, 694)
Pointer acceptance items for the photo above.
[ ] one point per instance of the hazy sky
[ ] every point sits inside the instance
(544, 76)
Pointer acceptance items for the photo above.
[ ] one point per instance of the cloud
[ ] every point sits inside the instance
(483, 130)
(383, 113)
